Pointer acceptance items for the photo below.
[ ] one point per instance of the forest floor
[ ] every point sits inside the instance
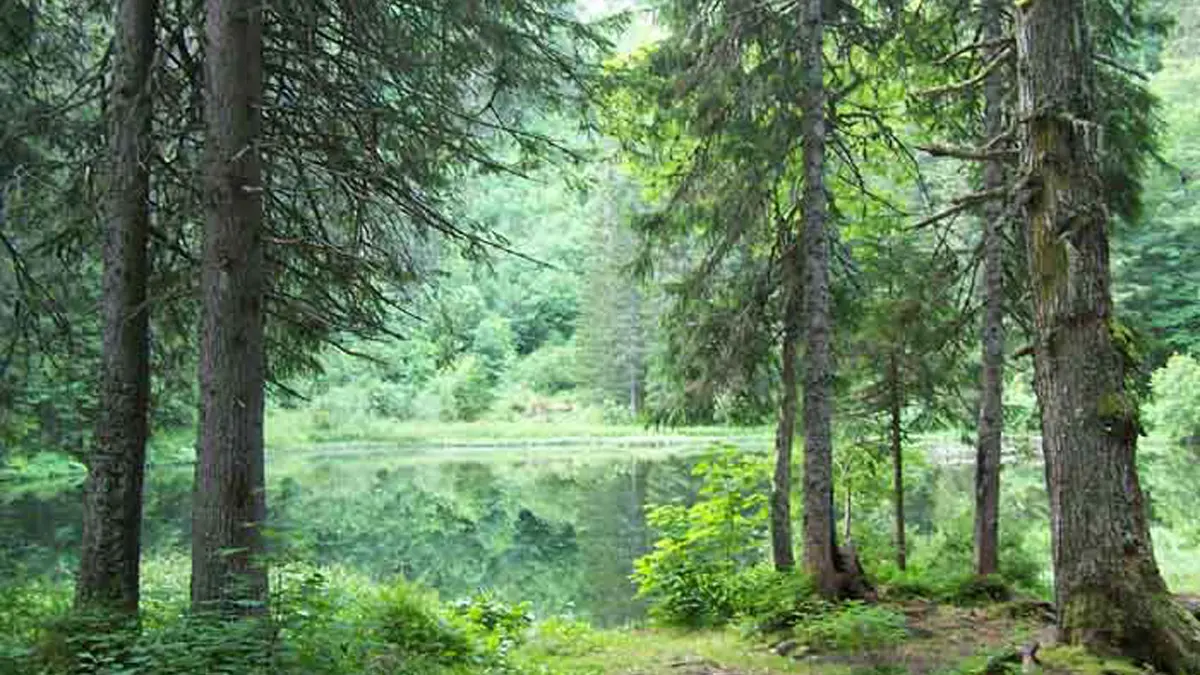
(941, 639)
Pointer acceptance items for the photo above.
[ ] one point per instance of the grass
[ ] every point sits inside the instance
(949, 641)
(663, 652)
(300, 428)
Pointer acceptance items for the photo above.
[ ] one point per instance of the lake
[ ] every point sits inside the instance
(555, 522)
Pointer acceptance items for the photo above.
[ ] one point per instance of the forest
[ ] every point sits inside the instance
(643, 337)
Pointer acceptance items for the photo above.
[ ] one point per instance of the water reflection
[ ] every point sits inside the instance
(561, 530)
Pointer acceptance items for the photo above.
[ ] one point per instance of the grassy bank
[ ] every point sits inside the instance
(301, 428)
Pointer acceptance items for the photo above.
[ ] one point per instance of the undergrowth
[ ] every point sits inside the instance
(322, 622)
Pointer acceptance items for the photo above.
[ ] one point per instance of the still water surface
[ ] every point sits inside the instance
(558, 524)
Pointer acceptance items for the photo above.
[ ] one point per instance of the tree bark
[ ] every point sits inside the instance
(991, 410)
(228, 573)
(785, 433)
(896, 441)
(820, 554)
(847, 534)
(1109, 593)
(112, 497)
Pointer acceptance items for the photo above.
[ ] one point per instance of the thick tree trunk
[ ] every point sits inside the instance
(228, 573)
(820, 554)
(785, 433)
(991, 410)
(896, 441)
(112, 498)
(1109, 593)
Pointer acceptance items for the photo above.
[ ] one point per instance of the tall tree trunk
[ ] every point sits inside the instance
(230, 505)
(896, 440)
(847, 534)
(820, 554)
(635, 352)
(785, 433)
(112, 497)
(1109, 593)
(991, 410)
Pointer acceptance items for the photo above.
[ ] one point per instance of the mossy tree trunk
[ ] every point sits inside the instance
(112, 496)
(1108, 590)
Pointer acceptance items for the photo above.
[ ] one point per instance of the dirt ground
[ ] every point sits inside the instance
(941, 638)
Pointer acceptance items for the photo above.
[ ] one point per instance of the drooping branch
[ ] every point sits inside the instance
(983, 45)
(974, 81)
(1117, 65)
(963, 203)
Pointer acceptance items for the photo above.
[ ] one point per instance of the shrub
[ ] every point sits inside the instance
(940, 567)
(549, 370)
(409, 623)
(467, 390)
(929, 583)
(498, 625)
(691, 578)
(853, 627)
(772, 601)
(971, 590)
(27, 612)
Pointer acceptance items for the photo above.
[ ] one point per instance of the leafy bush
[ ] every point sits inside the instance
(549, 370)
(92, 643)
(772, 601)
(493, 345)
(467, 390)
(410, 624)
(499, 625)
(691, 578)
(931, 583)
(1175, 410)
(941, 566)
(562, 636)
(322, 622)
(26, 612)
(853, 627)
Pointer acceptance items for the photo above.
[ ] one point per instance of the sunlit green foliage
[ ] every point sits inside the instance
(1154, 270)
(693, 577)
(1175, 410)
(549, 331)
(324, 621)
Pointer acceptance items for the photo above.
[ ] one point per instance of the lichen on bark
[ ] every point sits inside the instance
(1110, 595)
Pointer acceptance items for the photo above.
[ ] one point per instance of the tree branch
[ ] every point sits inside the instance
(963, 203)
(977, 79)
(969, 154)
(1128, 70)
(974, 47)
